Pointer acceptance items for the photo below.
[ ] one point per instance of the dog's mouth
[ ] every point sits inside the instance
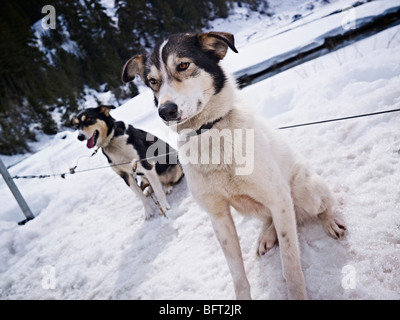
(180, 120)
(93, 140)
(172, 122)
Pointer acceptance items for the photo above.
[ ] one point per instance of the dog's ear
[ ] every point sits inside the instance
(134, 66)
(74, 121)
(217, 43)
(105, 109)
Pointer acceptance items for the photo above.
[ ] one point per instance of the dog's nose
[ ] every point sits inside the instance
(168, 111)
(81, 137)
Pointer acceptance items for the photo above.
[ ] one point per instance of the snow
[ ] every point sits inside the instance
(267, 49)
(68, 45)
(249, 26)
(109, 5)
(90, 240)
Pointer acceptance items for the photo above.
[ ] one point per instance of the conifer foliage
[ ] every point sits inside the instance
(46, 73)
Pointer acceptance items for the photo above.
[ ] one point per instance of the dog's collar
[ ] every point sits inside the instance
(204, 128)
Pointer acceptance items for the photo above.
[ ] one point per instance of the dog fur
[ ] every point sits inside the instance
(192, 89)
(122, 143)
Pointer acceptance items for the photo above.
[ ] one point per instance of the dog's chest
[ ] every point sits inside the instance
(213, 180)
(119, 151)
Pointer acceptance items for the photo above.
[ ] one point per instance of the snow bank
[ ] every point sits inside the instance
(301, 36)
(90, 240)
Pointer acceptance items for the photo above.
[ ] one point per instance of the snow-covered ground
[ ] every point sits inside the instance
(90, 240)
(286, 40)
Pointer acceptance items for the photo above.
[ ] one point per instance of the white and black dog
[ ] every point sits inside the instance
(124, 145)
(202, 103)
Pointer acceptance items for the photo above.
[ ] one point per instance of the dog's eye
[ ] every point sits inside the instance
(183, 66)
(153, 82)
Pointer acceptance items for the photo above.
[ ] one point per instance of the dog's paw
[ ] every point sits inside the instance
(166, 206)
(148, 214)
(168, 189)
(266, 241)
(297, 290)
(334, 227)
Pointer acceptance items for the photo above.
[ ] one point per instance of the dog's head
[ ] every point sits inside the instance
(94, 125)
(183, 72)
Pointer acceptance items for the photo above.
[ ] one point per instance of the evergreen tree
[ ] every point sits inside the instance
(22, 81)
(87, 49)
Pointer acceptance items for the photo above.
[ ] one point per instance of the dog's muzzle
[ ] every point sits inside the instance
(168, 111)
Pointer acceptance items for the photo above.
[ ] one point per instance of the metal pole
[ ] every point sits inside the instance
(17, 195)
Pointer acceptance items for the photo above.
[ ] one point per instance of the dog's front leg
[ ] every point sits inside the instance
(284, 219)
(225, 230)
(136, 189)
(156, 185)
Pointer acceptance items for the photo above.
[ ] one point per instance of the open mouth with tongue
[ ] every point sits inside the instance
(93, 140)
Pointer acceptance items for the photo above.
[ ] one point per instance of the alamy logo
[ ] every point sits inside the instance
(349, 18)
(213, 147)
(49, 21)
(349, 277)
(49, 277)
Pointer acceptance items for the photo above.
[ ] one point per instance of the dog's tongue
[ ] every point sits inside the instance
(90, 142)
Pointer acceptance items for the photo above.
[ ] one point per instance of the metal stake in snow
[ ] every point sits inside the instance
(17, 195)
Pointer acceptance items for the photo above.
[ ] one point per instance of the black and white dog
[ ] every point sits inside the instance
(201, 101)
(123, 145)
